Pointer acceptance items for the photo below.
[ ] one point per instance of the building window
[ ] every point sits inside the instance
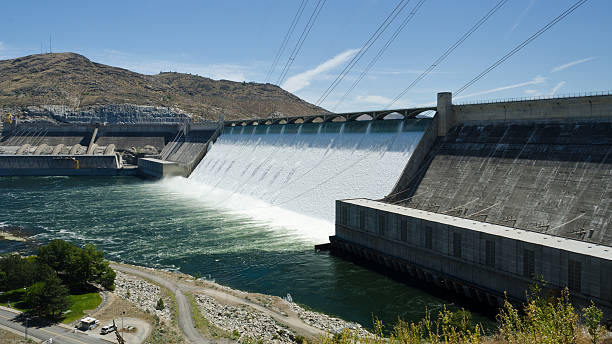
(381, 224)
(528, 263)
(428, 238)
(574, 274)
(404, 230)
(490, 253)
(457, 245)
(362, 218)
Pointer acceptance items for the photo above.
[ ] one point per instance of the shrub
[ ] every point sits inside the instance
(160, 305)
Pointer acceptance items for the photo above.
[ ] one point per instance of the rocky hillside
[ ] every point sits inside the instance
(72, 81)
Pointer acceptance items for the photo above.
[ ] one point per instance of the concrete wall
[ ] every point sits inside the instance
(155, 168)
(418, 156)
(560, 108)
(51, 165)
(456, 249)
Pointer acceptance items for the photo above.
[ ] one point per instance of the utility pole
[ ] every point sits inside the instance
(50, 51)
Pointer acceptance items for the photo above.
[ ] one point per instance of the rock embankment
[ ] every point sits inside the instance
(143, 294)
(327, 323)
(243, 319)
(111, 113)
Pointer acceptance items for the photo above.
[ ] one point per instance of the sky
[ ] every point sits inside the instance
(239, 39)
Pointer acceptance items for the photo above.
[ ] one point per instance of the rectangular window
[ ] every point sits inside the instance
(362, 218)
(404, 230)
(574, 274)
(490, 253)
(428, 238)
(457, 245)
(381, 224)
(528, 263)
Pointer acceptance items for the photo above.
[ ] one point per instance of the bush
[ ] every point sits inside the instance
(160, 305)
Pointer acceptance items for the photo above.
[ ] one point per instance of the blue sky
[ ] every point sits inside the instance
(238, 40)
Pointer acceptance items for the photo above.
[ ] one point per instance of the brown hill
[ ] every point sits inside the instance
(73, 80)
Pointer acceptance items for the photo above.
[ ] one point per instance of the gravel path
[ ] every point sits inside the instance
(185, 317)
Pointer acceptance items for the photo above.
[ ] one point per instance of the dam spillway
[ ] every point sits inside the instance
(303, 168)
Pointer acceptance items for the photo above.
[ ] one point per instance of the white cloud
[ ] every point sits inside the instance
(518, 20)
(301, 80)
(537, 80)
(556, 88)
(573, 63)
(531, 92)
(373, 99)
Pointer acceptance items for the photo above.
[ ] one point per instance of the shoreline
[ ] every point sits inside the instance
(231, 312)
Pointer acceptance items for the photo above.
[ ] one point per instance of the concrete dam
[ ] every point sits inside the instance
(47, 149)
(477, 200)
(291, 174)
(493, 196)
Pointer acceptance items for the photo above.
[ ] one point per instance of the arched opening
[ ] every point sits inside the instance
(317, 120)
(426, 114)
(339, 119)
(364, 117)
(299, 121)
(393, 115)
(282, 121)
(268, 122)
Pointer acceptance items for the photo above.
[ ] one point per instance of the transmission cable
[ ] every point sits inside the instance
(440, 59)
(522, 45)
(381, 28)
(300, 42)
(382, 50)
(281, 50)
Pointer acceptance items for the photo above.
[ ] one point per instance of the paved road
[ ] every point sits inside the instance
(60, 335)
(185, 316)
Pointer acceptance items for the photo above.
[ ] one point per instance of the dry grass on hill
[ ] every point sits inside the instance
(73, 80)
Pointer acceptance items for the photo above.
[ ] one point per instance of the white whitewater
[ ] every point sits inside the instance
(291, 175)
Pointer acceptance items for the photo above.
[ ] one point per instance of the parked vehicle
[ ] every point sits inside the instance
(107, 329)
(88, 323)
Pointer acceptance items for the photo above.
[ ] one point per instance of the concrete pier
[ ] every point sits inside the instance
(477, 260)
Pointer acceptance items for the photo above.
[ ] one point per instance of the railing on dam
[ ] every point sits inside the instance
(332, 117)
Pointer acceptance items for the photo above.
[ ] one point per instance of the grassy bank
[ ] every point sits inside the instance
(80, 304)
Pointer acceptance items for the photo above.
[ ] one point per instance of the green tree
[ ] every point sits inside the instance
(48, 298)
(17, 272)
(78, 267)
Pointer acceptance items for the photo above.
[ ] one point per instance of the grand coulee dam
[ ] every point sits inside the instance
(464, 201)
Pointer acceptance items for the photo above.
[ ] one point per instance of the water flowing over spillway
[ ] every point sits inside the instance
(292, 174)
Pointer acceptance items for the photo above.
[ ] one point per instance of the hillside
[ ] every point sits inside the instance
(73, 80)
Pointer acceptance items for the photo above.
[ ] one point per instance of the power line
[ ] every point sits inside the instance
(382, 51)
(281, 50)
(300, 42)
(381, 28)
(522, 45)
(448, 51)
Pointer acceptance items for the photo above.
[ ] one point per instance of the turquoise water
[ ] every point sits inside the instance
(146, 223)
